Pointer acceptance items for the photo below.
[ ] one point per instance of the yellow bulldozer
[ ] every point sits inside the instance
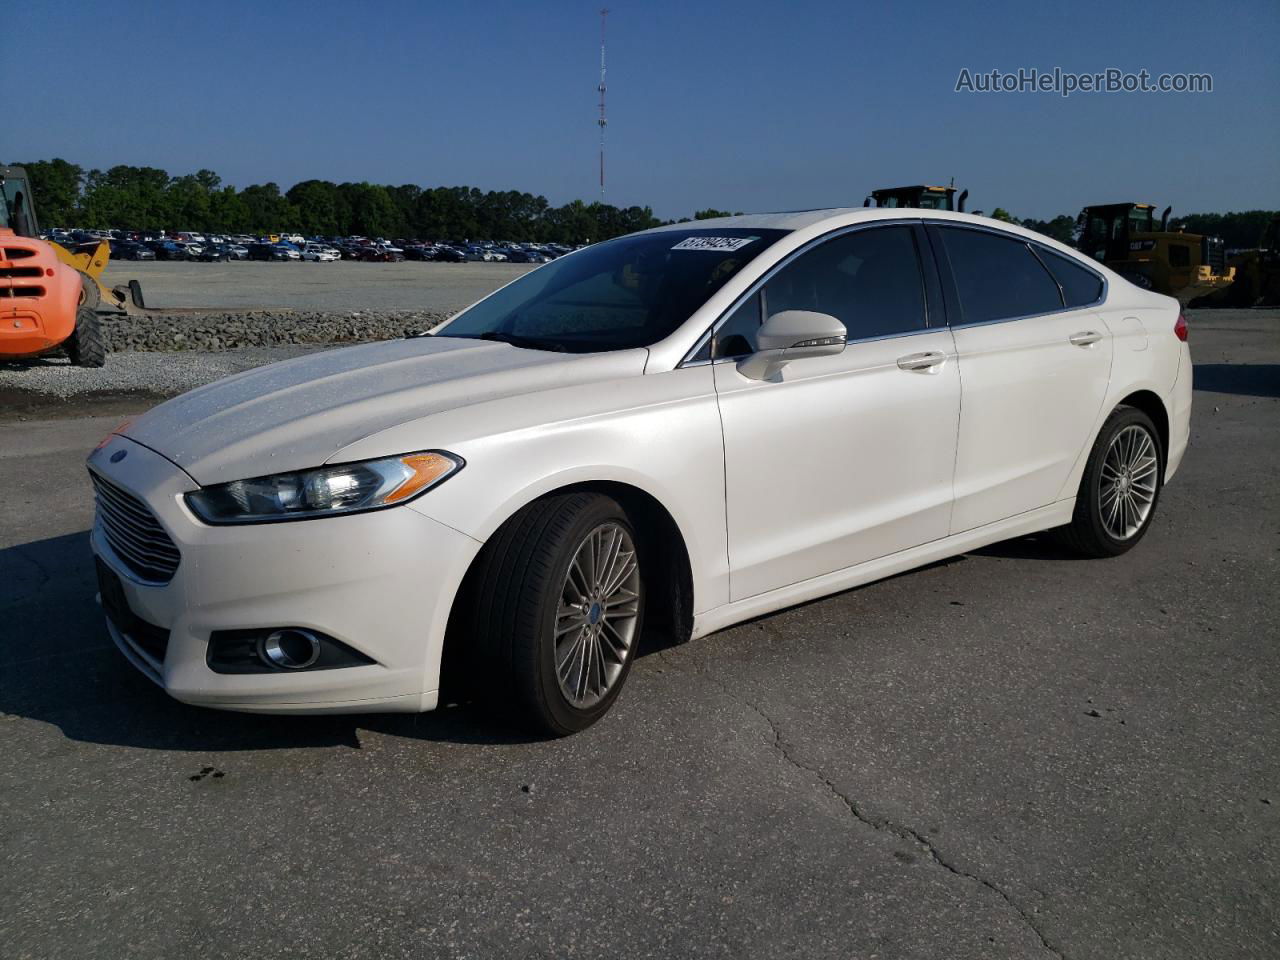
(1127, 238)
(918, 197)
(1257, 275)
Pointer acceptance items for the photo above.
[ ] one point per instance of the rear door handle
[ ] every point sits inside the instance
(921, 362)
(1086, 338)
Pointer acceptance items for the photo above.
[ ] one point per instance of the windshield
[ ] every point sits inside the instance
(624, 293)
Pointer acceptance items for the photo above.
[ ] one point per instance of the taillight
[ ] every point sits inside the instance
(1180, 328)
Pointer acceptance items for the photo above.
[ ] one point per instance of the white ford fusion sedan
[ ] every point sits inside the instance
(676, 430)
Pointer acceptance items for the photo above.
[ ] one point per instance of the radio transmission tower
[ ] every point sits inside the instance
(603, 121)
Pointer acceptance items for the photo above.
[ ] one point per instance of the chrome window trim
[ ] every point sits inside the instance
(849, 342)
(1031, 245)
(755, 288)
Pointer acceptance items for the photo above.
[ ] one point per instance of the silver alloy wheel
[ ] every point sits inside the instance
(1127, 488)
(596, 619)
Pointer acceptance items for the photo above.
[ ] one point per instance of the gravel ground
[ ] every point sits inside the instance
(334, 287)
(261, 328)
(25, 388)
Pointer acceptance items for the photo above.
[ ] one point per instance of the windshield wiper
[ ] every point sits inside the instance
(530, 343)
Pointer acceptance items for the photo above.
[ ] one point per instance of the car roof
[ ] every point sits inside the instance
(799, 219)
(815, 222)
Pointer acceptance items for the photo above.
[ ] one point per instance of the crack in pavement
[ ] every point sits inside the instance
(887, 826)
(883, 825)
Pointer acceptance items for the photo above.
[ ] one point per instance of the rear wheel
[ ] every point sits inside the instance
(1120, 487)
(86, 346)
(557, 607)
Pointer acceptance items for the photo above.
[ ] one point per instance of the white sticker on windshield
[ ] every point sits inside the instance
(723, 244)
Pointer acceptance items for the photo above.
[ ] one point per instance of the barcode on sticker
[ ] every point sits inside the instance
(723, 244)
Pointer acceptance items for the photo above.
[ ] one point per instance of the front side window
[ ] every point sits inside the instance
(997, 277)
(624, 293)
(869, 280)
(736, 337)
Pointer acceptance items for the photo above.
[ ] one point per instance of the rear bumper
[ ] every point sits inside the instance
(1180, 414)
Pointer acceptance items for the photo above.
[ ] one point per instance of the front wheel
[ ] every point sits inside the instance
(86, 346)
(1120, 487)
(557, 608)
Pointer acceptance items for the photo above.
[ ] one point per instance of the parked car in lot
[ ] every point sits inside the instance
(268, 251)
(237, 251)
(447, 254)
(679, 429)
(377, 253)
(167, 250)
(319, 253)
(527, 256)
(212, 253)
(130, 250)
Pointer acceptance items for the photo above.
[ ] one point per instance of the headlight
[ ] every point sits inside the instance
(324, 491)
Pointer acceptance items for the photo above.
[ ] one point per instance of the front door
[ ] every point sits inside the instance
(843, 459)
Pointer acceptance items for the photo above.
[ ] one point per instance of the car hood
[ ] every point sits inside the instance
(298, 413)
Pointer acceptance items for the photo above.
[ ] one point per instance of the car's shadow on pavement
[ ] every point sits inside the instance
(59, 666)
(1242, 379)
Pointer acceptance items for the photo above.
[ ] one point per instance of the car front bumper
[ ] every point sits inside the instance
(380, 582)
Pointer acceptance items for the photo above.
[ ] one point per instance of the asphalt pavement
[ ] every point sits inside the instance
(1010, 754)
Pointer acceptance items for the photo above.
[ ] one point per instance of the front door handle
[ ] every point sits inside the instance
(1086, 338)
(921, 362)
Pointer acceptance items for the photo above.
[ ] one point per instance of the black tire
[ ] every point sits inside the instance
(1087, 534)
(90, 295)
(512, 603)
(86, 346)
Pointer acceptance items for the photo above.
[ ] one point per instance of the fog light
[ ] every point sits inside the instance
(272, 649)
(290, 649)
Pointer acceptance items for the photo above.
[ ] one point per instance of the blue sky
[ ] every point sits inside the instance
(741, 105)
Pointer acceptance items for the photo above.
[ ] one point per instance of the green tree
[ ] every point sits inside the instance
(1000, 213)
(55, 188)
(265, 209)
(1061, 228)
(318, 208)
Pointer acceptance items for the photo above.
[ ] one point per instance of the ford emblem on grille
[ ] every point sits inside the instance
(119, 455)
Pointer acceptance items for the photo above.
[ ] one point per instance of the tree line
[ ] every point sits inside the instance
(147, 198)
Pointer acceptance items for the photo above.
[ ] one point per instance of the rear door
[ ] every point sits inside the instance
(842, 459)
(1033, 370)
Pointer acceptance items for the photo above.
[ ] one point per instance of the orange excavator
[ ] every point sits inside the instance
(50, 297)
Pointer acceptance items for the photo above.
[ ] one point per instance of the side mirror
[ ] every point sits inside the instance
(793, 335)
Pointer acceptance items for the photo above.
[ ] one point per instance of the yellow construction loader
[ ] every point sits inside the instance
(919, 197)
(1257, 280)
(1127, 238)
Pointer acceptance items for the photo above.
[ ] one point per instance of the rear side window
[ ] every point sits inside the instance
(1080, 285)
(997, 278)
(869, 280)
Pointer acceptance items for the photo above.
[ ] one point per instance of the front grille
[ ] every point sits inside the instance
(30, 291)
(135, 534)
(16, 253)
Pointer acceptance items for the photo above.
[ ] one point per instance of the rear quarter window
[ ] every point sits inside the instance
(1080, 285)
